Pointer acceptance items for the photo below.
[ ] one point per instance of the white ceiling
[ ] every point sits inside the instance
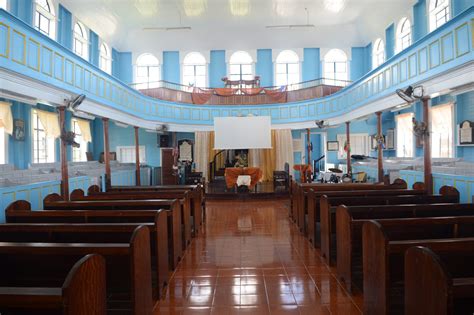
(214, 26)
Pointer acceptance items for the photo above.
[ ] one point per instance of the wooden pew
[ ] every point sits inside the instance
(300, 199)
(83, 292)
(20, 212)
(183, 197)
(128, 272)
(313, 205)
(172, 207)
(197, 195)
(328, 208)
(351, 219)
(438, 284)
(383, 260)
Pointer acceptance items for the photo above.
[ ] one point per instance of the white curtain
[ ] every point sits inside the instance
(201, 152)
(284, 149)
(85, 128)
(6, 118)
(50, 122)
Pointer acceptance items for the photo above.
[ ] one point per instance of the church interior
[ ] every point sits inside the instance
(236, 157)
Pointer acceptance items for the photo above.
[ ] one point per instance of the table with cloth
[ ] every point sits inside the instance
(232, 174)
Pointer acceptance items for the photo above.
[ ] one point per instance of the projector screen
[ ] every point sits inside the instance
(242, 133)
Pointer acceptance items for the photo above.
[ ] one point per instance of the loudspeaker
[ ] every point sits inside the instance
(164, 141)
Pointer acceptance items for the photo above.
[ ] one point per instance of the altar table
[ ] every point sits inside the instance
(232, 173)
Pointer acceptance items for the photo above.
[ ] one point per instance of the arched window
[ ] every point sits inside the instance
(44, 18)
(147, 72)
(105, 62)
(194, 70)
(3, 4)
(287, 68)
(438, 13)
(241, 66)
(80, 40)
(403, 34)
(335, 67)
(378, 53)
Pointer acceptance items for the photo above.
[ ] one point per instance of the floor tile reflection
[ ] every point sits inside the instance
(250, 259)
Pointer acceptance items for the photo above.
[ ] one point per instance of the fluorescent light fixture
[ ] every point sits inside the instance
(84, 115)
(239, 7)
(290, 27)
(401, 107)
(167, 29)
(146, 7)
(334, 5)
(194, 7)
(119, 124)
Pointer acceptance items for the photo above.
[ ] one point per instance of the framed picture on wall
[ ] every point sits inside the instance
(332, 146)
(390, 139)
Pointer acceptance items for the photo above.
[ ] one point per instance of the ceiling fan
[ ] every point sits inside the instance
(170, 28)
(293, 26)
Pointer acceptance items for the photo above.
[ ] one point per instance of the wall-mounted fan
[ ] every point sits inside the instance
(320, 124)
(162, 128)
(411, 94)
(68, 137)
(75, 102)
(420, 128)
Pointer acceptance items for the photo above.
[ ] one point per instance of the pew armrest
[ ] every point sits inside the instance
(30, 298)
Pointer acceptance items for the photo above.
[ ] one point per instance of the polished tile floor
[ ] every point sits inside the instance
(250, 259)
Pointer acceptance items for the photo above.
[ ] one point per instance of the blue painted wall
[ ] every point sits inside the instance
(420, 25)
(460, 5)
(217, 68)
(22, 9)
(122, 67)
(19, 152)
(264, 67)
(390, 41)
(94, 48)
(171, 67)
(65, 27)
(360, 63)
(311, 69)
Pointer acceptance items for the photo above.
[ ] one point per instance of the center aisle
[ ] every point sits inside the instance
(250, 259)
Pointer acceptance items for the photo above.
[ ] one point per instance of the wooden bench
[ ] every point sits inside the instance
(128, 271)
(328, 208)
(439, 284)
(313, 205)
(351, 219)
(172, 207)
(300, 198)
(82, 292)
(383, 261)
(197, 195)
(183, 197)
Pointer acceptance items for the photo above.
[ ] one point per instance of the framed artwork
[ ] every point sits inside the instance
(332, 145)
(185, 150)
(390, 139)
(19, 130)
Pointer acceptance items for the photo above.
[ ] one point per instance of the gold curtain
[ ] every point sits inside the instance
(265, 159)
(220, 161)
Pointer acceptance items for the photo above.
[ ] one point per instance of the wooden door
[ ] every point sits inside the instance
(167, 161)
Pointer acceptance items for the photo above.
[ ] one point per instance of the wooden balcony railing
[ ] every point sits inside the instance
(292, 93)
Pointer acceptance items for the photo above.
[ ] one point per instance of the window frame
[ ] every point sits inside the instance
(326, 64)
(105, 60)
(341, 154)
(131, 148)
(286, 64)
(434, 9)
(410, 116)
(3, 146)
(194, 67)
(84, 40)
(49, 152)
(251, 64)
(378, 53)
(83, 149)
(404, 39)
(148, 83)
(452, 145)
(39, 13)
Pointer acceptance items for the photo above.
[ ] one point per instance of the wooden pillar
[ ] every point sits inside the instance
(379, 147)
(308, 146)
(63, 148)
(137, 158)
(106, 154)
(348, 145)
(427, 147)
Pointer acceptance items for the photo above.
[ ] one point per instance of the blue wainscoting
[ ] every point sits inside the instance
(464, 184)
(35, 193)
(25, 51)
